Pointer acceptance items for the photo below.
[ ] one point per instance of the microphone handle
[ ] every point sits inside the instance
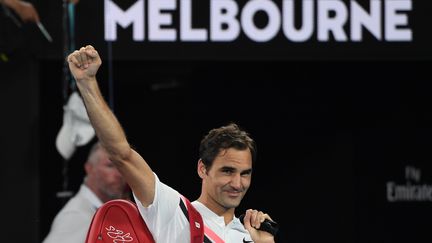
(268, 226)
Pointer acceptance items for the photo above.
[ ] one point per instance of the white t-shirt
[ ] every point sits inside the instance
(167, 222)
(72, 222)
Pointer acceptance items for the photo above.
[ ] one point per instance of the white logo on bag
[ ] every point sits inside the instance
(118, 235)
(197, 225)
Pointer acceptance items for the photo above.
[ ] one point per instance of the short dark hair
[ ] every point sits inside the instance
(225, 137)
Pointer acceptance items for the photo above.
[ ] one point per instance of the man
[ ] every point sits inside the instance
(225, 168)
(102, 183)
(25, 10)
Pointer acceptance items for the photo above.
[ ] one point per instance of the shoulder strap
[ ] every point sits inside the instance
(195, 221)
(199, 231)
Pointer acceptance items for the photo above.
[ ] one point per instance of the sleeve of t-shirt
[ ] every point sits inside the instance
(158, 214)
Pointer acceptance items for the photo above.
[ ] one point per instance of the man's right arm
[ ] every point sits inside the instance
(84, 65)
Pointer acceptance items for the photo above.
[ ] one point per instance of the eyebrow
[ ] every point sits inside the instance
(248, 171)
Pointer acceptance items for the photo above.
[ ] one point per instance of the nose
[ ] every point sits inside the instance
(236, 181)
(117, 175)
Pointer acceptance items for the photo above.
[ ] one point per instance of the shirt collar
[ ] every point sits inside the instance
(90, 195)
(208, 214)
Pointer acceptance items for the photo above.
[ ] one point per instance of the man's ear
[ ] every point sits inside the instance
(201, 169)
(88, 168)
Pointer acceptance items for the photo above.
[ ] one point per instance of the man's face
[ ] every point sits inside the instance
(108, 179)
(229, 177)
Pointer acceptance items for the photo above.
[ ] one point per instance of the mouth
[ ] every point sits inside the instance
(233, 193)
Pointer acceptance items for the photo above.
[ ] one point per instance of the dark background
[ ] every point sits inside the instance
(327, 143)
(331, 131)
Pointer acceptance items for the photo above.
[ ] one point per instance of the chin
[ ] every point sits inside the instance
(115, 195)
(231, 204)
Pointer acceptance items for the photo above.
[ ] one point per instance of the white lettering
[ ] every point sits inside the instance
(412, 173)
(393, 20)
(224, 12)
(114, 15)
(274, 20)
(386, 20)
(289, 29)
(390, 192)
(360, 18)
(327, 24)
(187, 33)
(408, 192)
(157, 19)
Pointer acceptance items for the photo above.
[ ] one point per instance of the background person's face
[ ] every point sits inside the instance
(108, 179)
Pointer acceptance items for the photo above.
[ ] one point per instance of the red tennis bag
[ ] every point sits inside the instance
(119, 221)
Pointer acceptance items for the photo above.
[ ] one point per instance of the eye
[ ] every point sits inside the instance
(246, 173)
(227, 171)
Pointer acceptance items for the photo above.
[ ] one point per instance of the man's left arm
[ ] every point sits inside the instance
(252, 222)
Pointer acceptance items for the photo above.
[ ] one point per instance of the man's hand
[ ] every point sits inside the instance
(252, 221)
(26, 11)
(84, 63)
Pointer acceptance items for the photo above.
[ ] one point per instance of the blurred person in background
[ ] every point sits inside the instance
(102, 183)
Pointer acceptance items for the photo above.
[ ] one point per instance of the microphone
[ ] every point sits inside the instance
(268, 226)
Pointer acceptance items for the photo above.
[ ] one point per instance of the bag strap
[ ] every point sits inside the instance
(195, 220)
(199, 232)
